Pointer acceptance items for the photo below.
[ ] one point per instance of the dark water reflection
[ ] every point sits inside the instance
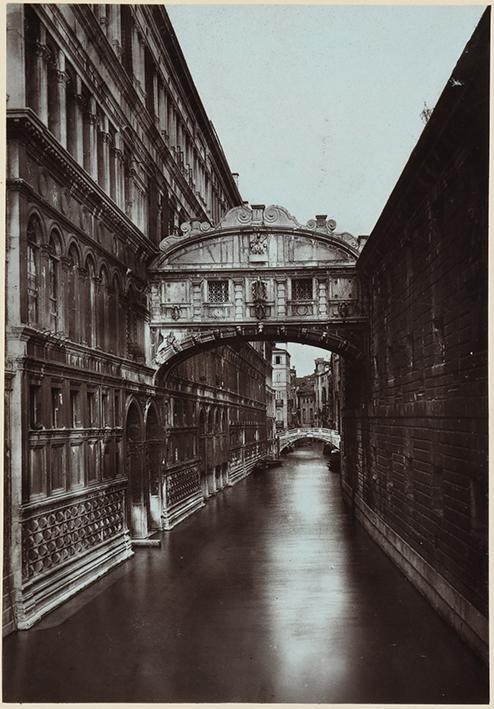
(269, 594)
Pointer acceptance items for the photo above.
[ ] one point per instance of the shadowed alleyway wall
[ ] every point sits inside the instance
(415, 440)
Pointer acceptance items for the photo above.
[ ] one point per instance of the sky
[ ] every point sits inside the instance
(318, 106)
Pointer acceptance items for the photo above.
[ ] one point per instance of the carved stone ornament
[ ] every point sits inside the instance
(43, 183)
(176, 314)
(258, 245)
(65, 200)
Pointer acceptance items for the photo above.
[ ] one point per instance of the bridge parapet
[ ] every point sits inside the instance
(327, 435)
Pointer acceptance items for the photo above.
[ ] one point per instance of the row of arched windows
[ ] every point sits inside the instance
(70, 298)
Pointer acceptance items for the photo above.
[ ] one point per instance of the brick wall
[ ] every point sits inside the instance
(415, 418)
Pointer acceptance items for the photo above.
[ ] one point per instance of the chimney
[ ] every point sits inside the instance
(235, 177)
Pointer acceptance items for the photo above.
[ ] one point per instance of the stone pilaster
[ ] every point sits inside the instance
(239, 299)
(16, 88)
(40, 79)
(322, 297)
(92, 153)
(77, 149)
(60, 123)
(280, 285)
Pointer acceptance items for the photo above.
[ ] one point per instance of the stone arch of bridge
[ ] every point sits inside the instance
(284, 444)
(206, 339)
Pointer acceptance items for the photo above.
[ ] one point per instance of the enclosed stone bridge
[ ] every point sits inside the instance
(257, 275)
(293, 435)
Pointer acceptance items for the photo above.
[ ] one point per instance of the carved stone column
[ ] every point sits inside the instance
(116, 154)
(162, 111)
(322, 297)
(16, 89)
(156, 100)
(40, 79)
(77, 149)
(130, 193)
(91, 151)
(196, 300)
(239, 299)
(60, 124)
(280, 298)
(114, 33)
(104, 157)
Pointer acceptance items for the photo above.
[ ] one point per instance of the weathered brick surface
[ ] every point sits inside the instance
(415, 437)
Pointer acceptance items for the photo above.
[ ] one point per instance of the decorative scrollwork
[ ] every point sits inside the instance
(244, 216)
(271, 214)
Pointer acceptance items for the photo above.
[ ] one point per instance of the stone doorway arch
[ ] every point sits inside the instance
(137, 473)
(153, 458)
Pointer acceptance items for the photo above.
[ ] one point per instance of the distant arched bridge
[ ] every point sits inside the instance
(292, 435)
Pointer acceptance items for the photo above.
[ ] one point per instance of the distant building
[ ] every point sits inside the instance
(281, 386)
(336, 389)
(292, 414)
(314, 396)
(323, 386)
(306, 400)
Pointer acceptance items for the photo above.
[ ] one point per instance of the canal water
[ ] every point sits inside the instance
(271, 593)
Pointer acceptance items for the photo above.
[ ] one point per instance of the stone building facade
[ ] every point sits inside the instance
(415, 416)
(109, 151)
(306, 400)
(218, 424)
(281, 386)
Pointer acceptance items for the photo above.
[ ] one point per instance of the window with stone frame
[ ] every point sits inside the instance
(217, 291)
(302, 289)
(53, 283)
(33, 270)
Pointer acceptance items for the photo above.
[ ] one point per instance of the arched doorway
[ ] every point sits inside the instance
(153, 456)
(203, 463)
(138, 486)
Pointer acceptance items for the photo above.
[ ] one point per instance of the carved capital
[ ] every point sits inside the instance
(41, 51)
(92, 118)
(62, 77)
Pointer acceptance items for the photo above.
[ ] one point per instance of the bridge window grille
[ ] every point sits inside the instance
(218, 291)
(302, 289)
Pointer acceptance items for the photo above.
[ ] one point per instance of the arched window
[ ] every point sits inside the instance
(54, 283)
(102, 312)
(33, 270)
(90, 304)
(115, 320)
(111, 334)
(211, 421)
(73, 295)
(135, 325)
(202, 422)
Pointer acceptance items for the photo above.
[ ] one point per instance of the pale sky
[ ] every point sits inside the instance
(318, 106)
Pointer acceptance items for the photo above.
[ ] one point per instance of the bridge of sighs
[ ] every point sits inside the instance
(257, 275)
